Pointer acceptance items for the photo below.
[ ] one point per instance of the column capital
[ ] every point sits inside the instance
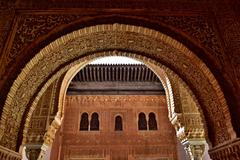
(194, 148)
(32, 150)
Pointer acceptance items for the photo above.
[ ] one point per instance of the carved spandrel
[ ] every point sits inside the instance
(31, 27)
(196, 26)
(194, 151)
(229, 29)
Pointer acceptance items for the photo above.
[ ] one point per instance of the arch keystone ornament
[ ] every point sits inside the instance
(91, 42)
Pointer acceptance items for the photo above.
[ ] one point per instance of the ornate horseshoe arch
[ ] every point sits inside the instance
(60, 55)
(156, 67)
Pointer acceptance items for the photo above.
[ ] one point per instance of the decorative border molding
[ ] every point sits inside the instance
(114, 98)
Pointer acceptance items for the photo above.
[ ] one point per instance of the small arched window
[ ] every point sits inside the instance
(142, 122)
(118, 123)
(94, 124)
(152, 123)
(84, 122)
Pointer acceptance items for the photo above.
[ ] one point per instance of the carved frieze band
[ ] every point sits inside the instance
(116, 98)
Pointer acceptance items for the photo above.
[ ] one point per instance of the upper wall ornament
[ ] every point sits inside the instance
(195, 26)
(30, 27)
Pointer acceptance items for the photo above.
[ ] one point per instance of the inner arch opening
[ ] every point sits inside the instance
(114, 85)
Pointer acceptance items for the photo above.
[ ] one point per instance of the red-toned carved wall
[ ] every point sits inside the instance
(130, 143)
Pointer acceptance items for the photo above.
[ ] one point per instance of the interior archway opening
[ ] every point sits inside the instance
(109, 89)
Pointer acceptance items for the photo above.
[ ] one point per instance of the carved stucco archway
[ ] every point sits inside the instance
(158, 69)
(63, 53)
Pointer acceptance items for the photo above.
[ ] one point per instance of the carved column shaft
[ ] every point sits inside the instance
(49, 137)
